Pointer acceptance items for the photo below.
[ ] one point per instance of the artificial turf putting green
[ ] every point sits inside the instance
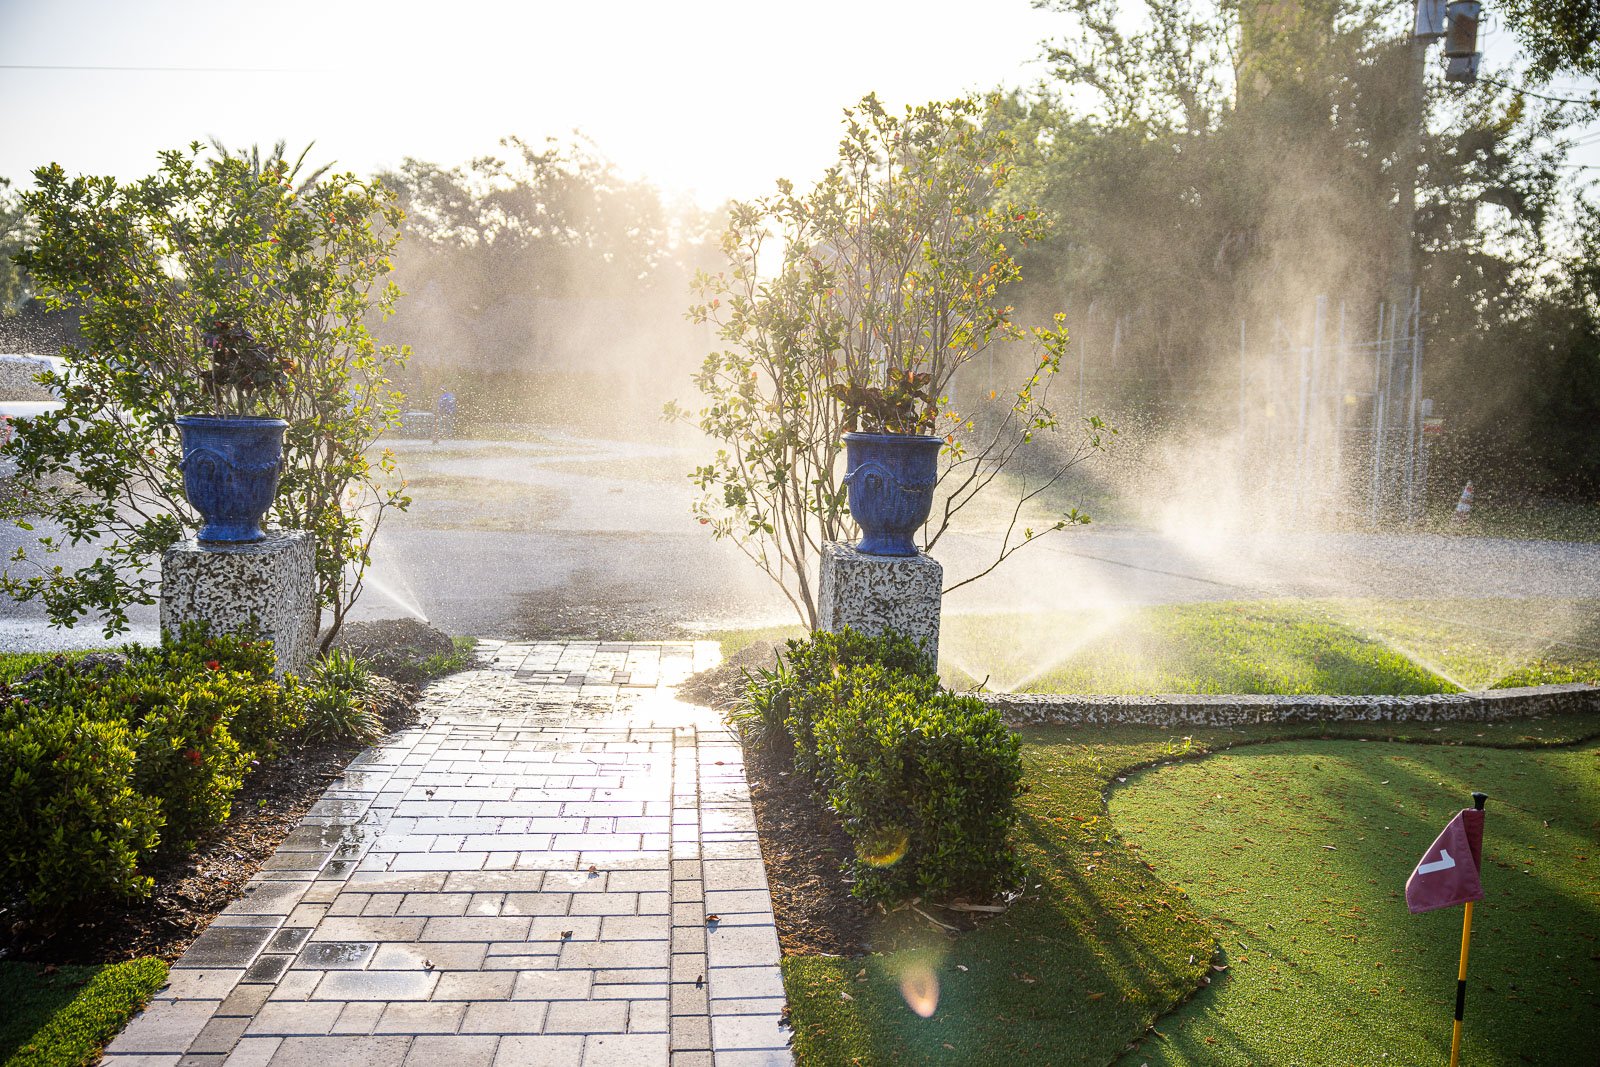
(1298, 854)
(63, 1016)
(1100, 947)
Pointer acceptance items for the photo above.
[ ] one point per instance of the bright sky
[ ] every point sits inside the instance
(714, 98)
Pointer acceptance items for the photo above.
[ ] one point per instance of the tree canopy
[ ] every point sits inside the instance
(1220, 163)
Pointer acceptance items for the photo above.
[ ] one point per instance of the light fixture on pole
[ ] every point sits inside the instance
(1430, 20)
(1456, 22)
(1461, 41)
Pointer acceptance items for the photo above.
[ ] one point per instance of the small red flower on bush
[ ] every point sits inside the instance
(193, 756)
(213, 665)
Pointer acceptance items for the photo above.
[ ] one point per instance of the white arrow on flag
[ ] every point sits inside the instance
(1443, 863)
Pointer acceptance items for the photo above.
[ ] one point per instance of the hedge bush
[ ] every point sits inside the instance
(812, 672)
(74, 823)
(924, 780)
(108, 758)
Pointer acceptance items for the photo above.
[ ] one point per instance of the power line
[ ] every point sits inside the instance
(1593, 101)
(163, 70)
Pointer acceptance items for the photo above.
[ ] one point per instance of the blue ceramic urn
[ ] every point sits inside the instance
(890, 477)
(231, 466)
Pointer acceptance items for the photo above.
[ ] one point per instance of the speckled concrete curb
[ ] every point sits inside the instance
(1039, 709)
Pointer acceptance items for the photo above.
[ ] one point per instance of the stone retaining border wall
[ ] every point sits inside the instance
(1039, 709)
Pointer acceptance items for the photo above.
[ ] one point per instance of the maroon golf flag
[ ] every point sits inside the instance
(1448, 872)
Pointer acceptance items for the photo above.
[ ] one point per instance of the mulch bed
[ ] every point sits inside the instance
(805, 849)
(192, 888)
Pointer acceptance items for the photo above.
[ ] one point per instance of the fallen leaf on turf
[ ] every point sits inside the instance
(1219, 966)
(961, 966)
(845, 996)
(1096, 996)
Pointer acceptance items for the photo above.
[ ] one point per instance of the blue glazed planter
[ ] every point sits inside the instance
(890, 478)
(230, 473)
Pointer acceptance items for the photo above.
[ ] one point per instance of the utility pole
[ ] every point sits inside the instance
(1402, 278)
(1456, 22)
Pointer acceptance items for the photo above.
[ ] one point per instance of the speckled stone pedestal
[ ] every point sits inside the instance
(874, 594)
(269, 587)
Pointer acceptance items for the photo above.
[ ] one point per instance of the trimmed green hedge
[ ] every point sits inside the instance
(74, 819)
(924, 780)
(104, 759)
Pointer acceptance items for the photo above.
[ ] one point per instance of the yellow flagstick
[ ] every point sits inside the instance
(1461, 972)
(1461, 983)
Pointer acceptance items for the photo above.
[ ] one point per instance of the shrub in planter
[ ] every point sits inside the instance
(761, 716)
(925, 782)
(75, 827)
(264, 712)
(104, 758)
(270, 714)
(194, 647)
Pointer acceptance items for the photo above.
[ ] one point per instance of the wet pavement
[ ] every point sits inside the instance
(559, 865)
(571, 536)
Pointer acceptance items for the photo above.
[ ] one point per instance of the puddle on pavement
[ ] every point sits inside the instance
(332, 955)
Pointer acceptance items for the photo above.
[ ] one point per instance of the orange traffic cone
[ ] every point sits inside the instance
(1464, 505)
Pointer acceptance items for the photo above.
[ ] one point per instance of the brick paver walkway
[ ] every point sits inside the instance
(558, 866)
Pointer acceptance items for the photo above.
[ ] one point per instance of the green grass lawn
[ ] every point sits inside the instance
(1548, 520)
(1280, 646)
(1102, 944)
(63, 1017)
(1268, 646)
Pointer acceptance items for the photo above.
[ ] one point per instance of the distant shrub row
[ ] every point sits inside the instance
(106, 759)
(924, 780)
